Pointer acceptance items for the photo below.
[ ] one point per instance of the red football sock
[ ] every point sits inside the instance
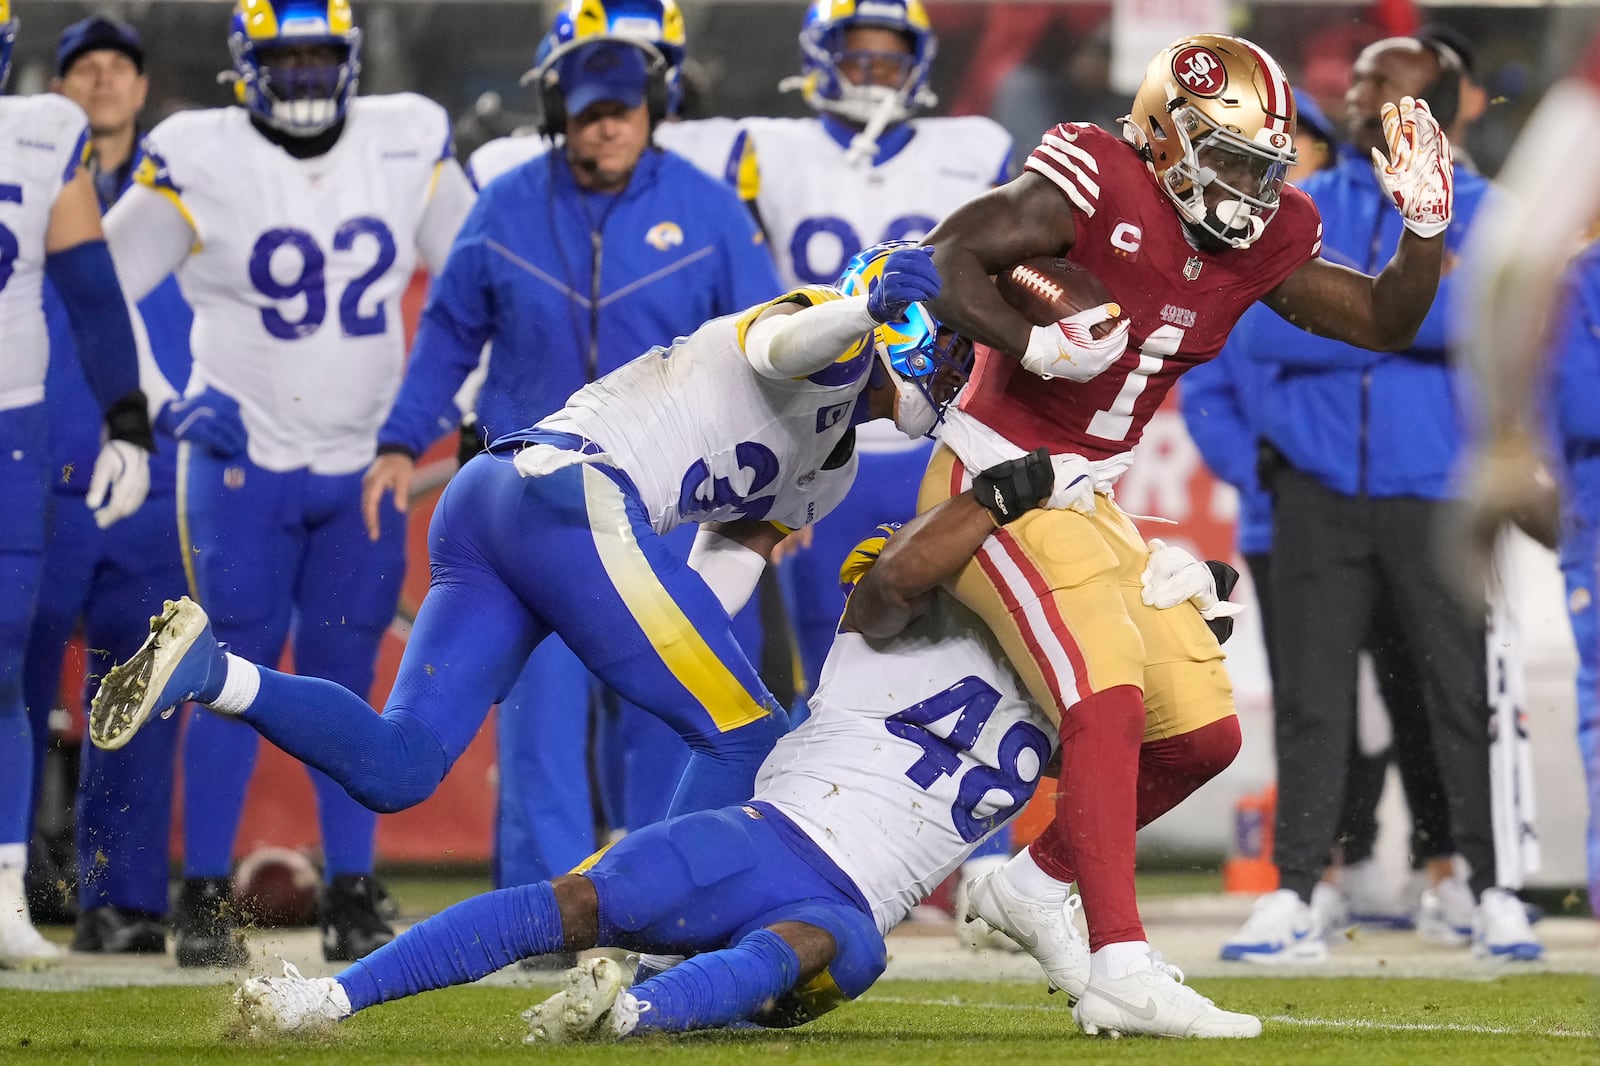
(1096, 812)
(1170, 770)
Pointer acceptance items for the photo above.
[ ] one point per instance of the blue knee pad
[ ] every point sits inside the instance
(859, 959)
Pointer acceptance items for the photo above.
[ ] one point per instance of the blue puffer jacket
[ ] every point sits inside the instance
(1575, 407)
(1221, 407)
(570, 285)
(1362, 422)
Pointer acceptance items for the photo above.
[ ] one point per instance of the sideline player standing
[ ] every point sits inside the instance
(1206, 145)
(108, 577)
(864, 168)
(295, 222)
(49, 227)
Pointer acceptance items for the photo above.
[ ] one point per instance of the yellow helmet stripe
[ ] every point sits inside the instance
(5, 10)
(340, 19)
(260, 19)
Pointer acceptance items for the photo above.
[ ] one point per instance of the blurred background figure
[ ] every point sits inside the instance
(106, 580)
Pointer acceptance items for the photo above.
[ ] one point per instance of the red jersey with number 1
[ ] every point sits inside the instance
(1180, 302)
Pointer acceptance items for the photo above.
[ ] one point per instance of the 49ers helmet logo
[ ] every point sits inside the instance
(1200, 71)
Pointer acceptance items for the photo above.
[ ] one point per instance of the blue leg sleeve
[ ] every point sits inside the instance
(459, 945)
(719, 988)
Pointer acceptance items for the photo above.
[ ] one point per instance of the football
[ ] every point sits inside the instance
(1048, 288)
(276, 887)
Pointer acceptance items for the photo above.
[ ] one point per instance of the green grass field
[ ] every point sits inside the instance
(1522, 1020)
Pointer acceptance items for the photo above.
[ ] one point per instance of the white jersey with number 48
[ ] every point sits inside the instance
(43, 140)
(298, 265)
(917, 748)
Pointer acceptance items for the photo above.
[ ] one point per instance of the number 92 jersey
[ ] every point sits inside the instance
(298, 266)
(43, 141)
(705, 438)
(917, 748)
(819, 210)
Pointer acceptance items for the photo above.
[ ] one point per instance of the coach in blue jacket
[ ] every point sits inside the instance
(571, 264)
(1369, 444)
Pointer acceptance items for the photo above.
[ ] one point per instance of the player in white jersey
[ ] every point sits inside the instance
(744, 427)
(922, 741)
(294, 223)
(49, 228)
(866, 167)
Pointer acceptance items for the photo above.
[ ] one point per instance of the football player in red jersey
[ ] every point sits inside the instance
(1519, 254)
(1187, 220)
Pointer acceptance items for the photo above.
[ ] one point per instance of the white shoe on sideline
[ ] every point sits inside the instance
(1330, 910)
(1044, 928)
(1500, 929)
(1372, 899)
(21, 944)
(1152, 1000)
(292, 1003)
(1444, 918)
(589, 992)
(1280, 929)
(976, 935)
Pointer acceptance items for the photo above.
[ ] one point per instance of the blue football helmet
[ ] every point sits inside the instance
(823, 81)
(300, 100)
(654, 26)
(927, 362)
(8, 40)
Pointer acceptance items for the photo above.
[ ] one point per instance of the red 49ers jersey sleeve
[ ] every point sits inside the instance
(1589, 68)
(1181, 301)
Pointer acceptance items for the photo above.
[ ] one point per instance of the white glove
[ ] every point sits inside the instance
(1074, 484)
(120, 482)
(1418, 174)
(1173, 576)
(1068, 348)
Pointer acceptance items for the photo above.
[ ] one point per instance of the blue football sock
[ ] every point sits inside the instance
(458, 945)
(219, 755)
(720, 987)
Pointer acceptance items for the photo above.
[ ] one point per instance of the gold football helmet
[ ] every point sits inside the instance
(1216, 112)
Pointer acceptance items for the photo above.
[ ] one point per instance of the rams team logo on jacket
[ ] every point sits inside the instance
(664, 235)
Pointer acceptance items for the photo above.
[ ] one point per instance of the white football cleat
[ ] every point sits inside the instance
(1444, 917)
(1152, 1000)
(1500, 929)
(1044, 928)
(1281, 928)
(593, 1003)
(292, 1003)
(21, 945)
(1372, 899)
(971, 934)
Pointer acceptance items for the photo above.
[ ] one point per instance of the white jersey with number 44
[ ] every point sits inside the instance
(917, 748)
(42, 143)
(297, 267)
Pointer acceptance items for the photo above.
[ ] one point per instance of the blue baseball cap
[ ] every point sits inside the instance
(604, 71)
(91, 35)
(1310, 117)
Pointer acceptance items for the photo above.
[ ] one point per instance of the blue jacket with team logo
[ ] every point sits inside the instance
(570, 284)
(1575, 412)
(75, 415)
(1368, 423)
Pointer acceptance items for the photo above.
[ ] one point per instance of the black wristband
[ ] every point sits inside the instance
(1224, 577)
(397, 449)
(1011, 489)
(129, 419)
(469, 443)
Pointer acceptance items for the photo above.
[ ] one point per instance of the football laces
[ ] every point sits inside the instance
(1037, 283)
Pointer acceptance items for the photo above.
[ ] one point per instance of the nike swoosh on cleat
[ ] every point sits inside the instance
(1145, 1013)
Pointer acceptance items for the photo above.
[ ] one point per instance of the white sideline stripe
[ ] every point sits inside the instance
(1279, 1019)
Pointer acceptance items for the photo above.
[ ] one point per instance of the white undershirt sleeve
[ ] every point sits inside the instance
(149, 238)
(448, 206)
(786, 346)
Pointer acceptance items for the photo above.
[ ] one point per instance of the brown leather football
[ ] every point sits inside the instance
(1048, 288)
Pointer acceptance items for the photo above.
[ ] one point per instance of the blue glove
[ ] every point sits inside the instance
(908, 277)
(209, 420)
